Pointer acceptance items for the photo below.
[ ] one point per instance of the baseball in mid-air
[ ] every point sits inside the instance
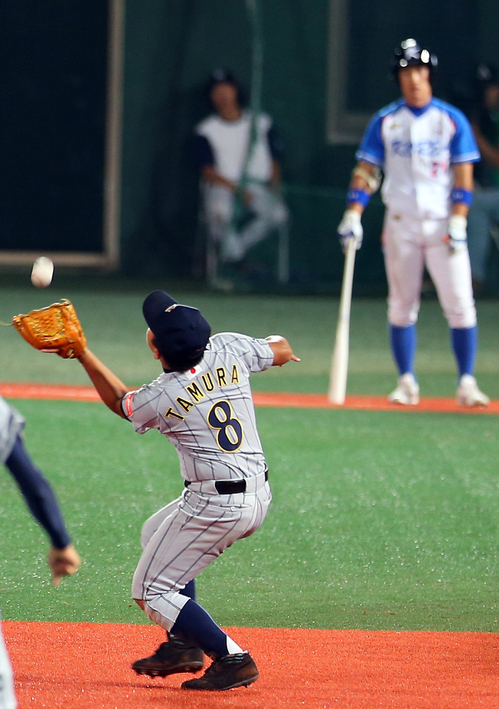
(42, 272)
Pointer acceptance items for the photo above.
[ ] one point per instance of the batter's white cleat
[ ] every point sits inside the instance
(407, 391)
(468, 393)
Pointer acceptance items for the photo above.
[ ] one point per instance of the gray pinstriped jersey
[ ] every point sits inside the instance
(11, 423)
(207, 412)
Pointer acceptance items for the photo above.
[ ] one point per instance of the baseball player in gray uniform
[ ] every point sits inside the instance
(202, 403)
(63, 557)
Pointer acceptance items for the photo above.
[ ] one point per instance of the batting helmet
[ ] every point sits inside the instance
(409, 53)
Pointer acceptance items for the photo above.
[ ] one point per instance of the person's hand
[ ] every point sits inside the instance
(282, 350)
(456, 237)
(63, 562)
(350, 227)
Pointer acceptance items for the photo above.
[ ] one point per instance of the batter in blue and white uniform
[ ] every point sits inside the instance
(202, 403)
(426, 150)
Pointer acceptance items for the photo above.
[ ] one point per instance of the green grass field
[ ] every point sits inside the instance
(110, 310)
(379, 521)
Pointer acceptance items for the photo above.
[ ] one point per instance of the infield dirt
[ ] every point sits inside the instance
(14, 390)
(87, 666)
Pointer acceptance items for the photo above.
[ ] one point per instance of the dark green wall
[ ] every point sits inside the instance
(53, 117)
(171, 49)
(172, 46)
(52, 124)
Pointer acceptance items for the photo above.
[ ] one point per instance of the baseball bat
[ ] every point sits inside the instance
(339, 363)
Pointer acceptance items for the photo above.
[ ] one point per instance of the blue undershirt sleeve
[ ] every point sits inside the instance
(38, 494)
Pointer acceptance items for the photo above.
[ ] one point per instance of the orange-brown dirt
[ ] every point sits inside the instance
(87, 666)
(13, 390)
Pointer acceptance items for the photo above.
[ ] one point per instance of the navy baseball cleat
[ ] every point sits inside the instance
(170, 658)
(230, 671)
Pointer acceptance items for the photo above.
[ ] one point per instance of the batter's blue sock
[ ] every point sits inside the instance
(403, 341)
(464, 343)
(196, 625)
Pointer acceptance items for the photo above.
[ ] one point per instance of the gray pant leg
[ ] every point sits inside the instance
(270, 212)
(7, 698)
(11, 424)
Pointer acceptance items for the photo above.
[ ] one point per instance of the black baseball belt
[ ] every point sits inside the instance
(229, 487)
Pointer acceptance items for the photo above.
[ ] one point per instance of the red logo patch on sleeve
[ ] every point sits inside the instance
(128, 405)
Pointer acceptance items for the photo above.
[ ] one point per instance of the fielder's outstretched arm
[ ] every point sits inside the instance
(112, 390)
(109, 387)
(63, 558)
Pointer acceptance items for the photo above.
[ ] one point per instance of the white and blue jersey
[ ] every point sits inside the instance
(415, 147)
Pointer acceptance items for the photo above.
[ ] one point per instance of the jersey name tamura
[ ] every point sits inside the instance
(415, 148)
(208, 412)
(229, 142)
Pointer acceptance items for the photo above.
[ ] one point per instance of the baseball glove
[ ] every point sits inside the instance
(55, 328)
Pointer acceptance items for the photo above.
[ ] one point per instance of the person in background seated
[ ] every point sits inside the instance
(238, 154)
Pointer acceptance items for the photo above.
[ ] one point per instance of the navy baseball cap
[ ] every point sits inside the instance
(180, 330)
(221, 76)
(487, 74)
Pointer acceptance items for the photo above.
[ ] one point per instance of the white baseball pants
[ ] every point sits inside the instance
(409, 244)
(269, 211)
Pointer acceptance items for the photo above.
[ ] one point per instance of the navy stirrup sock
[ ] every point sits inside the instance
(196, 625)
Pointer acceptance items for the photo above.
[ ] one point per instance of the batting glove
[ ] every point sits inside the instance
(350, 227)
(456, 238)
